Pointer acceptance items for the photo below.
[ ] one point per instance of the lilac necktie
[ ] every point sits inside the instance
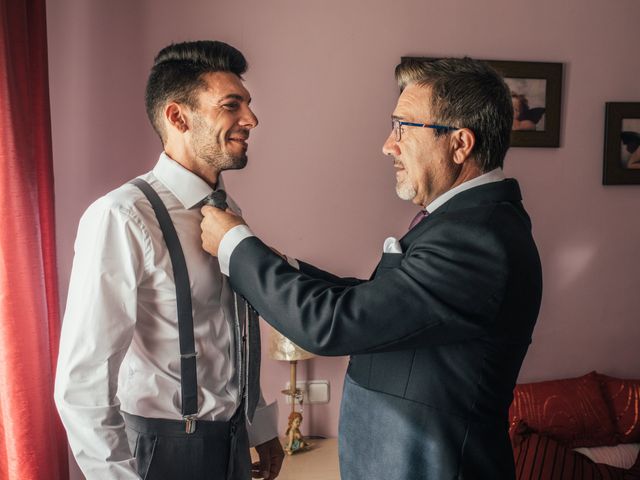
(422, 214)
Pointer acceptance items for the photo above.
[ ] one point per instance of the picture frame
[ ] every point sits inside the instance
(621, 163)
(538, 87)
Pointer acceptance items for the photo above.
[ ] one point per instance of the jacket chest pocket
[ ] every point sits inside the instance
(389, 261)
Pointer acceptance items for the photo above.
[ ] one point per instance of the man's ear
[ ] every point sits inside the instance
(462, 142)
(176, 116)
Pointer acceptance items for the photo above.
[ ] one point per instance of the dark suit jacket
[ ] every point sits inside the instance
(444, 325)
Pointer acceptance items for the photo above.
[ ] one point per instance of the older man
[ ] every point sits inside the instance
(438, 334)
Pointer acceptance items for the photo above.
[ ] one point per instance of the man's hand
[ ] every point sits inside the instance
(214, 225)
(271, 457)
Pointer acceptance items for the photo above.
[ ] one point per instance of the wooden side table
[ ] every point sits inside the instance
(319, 463)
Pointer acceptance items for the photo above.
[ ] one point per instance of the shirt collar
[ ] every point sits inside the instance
(185, 185)
(494, 175)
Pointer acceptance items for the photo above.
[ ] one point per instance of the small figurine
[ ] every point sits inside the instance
(295, 440)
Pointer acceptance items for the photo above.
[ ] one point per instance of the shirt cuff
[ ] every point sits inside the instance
(229, 243)
(265, 424)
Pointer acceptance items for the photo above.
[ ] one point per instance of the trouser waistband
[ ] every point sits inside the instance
(164, 426)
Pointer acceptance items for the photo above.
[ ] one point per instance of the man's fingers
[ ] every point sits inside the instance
(224, 219)
(263, 469)
(208, 209)
(265, 466)
(215, 211)
(271, 456)
(275, 468)
(276, 459)
(215, 224)
(255, 470)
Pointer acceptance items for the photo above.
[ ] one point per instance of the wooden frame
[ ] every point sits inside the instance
(621, 165)
(546, 79)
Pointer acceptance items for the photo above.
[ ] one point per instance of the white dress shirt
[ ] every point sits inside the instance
(495, 175)
(119, 344)
(238, 233)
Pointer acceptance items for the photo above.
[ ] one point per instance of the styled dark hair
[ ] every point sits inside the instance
(466, 93)
(177, 72)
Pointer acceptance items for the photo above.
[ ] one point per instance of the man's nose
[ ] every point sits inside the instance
(249, 119)
(390, 146)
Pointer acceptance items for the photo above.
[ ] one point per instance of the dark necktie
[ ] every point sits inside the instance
(422, 214)
(218, 199)
(252, 361)
(247, 335)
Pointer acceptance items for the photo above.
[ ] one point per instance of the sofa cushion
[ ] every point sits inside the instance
(623, 398)
(571, 410)
(634, 472)
(540, 457)
(623, 455)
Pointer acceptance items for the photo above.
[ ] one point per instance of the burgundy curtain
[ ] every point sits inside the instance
(32, 441)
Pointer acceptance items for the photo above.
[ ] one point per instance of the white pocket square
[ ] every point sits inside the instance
(391, 245)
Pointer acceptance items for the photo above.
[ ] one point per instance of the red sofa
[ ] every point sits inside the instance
(548, 420)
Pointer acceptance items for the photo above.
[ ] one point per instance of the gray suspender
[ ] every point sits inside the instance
(189, 380)
(247, 345)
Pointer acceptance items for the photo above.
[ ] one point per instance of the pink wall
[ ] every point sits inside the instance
(318, 186)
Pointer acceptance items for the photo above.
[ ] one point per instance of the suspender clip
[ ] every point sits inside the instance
(190, 423)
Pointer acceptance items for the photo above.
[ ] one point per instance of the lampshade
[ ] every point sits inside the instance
(281, 348)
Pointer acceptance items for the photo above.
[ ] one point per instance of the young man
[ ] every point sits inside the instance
(124, 375)
(438, 334)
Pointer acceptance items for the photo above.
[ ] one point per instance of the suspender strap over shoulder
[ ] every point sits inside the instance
(189, 381)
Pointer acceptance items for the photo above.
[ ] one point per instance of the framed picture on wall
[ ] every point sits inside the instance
(621, 164)
(536, 93)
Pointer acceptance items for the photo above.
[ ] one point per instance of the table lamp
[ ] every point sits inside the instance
(281, 348)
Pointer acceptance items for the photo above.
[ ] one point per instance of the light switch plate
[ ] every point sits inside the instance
(318, 391)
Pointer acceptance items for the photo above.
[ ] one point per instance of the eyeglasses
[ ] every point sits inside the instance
(396, 126)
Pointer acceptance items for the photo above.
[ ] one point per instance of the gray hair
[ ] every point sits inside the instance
(466, 93)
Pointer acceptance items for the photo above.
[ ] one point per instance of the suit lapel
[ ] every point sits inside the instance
(495, 192)
(503, 191)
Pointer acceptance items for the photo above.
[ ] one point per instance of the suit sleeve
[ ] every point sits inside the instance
(317, 273)
(448, 287)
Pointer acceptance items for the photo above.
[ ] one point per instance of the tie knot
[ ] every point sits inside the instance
(218, 199)
(421, 215)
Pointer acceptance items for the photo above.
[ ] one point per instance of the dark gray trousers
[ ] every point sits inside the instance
(215, 451)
